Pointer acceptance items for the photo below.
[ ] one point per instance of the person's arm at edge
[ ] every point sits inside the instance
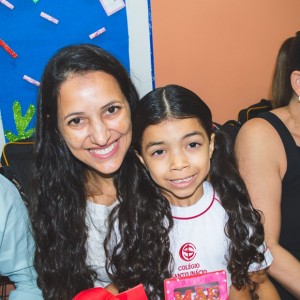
(262, 169)
(16, 250)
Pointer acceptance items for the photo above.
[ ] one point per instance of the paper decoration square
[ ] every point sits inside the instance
(208, 286)
(112, 6)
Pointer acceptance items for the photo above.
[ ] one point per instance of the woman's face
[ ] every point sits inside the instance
(94, 120)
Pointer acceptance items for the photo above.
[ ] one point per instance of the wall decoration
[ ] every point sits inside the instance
(33, 31)
(21, 122)
(112, 6)
(7, 4)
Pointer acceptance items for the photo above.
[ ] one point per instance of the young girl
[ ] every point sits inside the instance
(185, 209)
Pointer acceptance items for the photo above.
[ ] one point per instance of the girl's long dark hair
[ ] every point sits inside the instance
(143, 221)
(143, 218)
(58, 205)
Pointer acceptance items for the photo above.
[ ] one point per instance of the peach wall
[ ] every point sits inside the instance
(224, 50)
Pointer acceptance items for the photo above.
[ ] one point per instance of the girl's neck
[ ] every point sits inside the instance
(100, 189)
(184, 201)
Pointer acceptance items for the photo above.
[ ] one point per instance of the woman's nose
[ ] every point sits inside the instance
(100, 134)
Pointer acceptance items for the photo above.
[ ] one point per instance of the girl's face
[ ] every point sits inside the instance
(177, 154)
(94, 120)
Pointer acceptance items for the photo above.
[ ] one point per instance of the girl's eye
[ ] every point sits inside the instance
(113, 109)
(193, 145)
(158, 152)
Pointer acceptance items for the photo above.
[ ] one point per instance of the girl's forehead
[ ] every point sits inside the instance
(175, 122)
(174, 128)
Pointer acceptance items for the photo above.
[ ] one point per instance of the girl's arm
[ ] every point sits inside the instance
(262, 163)
(265, 291)
(235, 294)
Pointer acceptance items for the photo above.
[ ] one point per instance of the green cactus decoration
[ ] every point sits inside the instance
(21, 123)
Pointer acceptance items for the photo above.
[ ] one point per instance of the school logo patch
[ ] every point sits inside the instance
(187, 252)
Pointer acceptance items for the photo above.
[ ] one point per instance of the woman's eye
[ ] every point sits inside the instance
(113, 109)
(75, 121)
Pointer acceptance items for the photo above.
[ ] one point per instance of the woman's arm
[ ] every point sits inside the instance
(262, 163)
(112, 289)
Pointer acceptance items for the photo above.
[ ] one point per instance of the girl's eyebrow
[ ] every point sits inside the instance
(151, 144)
(190, 134)
(196, 132)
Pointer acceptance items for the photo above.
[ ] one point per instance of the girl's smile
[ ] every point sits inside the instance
(177, 154)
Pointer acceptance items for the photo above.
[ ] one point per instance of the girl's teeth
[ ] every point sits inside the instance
(182, 180)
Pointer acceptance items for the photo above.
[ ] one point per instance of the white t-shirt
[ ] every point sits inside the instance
(198, 240)
(96, 221)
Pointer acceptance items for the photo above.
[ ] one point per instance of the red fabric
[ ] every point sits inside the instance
(136, 293)
(95, 294)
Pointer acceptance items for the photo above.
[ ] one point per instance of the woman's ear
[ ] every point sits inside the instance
(211, 145)
(295, 82)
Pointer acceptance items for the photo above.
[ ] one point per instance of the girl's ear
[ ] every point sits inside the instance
(140, 158)
(295, 82)
(211, 145)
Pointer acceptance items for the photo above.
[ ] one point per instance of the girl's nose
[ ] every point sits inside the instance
(178, 161)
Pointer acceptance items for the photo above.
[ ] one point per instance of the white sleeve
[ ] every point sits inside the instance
(266, 262)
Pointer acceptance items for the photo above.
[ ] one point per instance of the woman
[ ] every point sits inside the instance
(83, 132)
(268, 151)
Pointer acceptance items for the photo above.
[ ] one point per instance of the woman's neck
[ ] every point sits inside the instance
(291, 118)
(100, 189)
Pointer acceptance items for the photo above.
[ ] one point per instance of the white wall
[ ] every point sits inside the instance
(140, 45)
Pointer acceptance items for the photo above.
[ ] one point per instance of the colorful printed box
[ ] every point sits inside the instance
(208, 286)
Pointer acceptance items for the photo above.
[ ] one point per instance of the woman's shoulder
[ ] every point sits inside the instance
(257, 126)
(259, 146)
(257, 131)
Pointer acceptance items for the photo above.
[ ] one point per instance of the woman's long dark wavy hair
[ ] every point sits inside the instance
(58, 207)
(144, 220)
